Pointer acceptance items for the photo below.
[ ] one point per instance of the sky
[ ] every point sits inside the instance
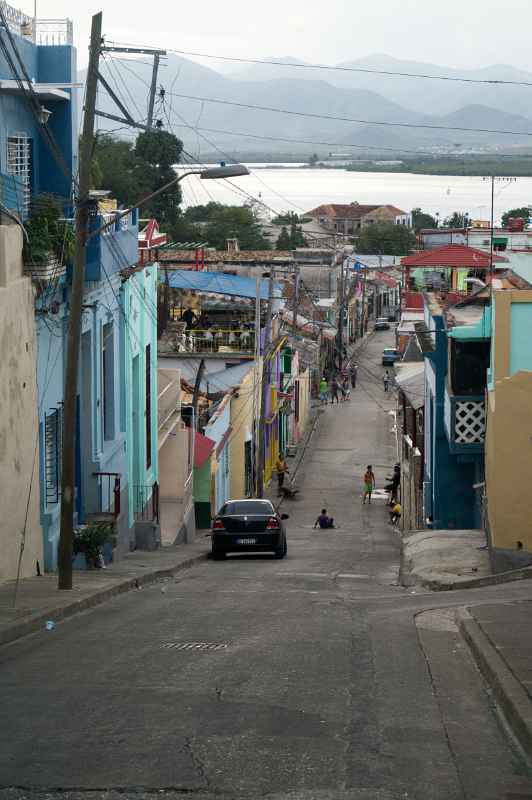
(454, 33)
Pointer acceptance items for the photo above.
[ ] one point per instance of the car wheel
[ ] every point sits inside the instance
(218, 554)
(280, 551)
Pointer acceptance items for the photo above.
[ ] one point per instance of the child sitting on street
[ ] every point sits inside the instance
(323, 520)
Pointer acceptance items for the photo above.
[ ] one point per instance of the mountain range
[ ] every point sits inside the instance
(362, 96)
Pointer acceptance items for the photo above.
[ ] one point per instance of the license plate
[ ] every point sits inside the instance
(246, 541)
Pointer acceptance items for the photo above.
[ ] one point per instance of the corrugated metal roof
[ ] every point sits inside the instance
(218, 283)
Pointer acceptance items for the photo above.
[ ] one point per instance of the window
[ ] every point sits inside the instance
(244, 507)
(53, 440)
(148, 406)
(469, 365)
(108, 382)
(20, 162)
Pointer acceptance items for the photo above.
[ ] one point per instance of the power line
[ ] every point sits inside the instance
(350, 146)
(365, 70)
(386, 123)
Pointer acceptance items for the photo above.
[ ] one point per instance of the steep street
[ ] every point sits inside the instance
(313, 680)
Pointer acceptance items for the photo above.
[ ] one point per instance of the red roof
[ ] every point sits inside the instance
(452, 255)
(341, 210)
(395, 210)
(203, 447)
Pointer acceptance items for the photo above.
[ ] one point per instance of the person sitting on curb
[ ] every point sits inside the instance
(323, 520)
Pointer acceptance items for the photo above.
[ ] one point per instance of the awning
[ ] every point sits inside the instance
(219, 283)
(410, 377)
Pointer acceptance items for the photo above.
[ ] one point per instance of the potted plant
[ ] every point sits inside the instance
(50, 237)
(90, 540)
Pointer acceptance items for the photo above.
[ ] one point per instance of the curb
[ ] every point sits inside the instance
(36, 622)
(509, 693)
(435, 585)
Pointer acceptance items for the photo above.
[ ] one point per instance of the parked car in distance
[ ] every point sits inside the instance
(389, 356)
(248, 525)
(382, 324)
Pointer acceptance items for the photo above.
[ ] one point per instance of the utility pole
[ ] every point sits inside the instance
(195, 396)
(340, 333)
(68, 471)
(296, 299)
(363, 316)
(264, 388)
(153, 87)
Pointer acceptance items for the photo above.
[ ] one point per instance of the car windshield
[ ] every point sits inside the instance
(239, 507)
(389, 351)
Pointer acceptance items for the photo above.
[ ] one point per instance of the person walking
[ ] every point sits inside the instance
(324, 391)
(282, 469)
(323, 520)
(369, 483)
(386, 380)
(346, 391)
(334, 391)
(354, 373)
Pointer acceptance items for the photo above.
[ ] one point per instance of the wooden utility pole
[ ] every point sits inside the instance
(264, 387)
(68, 470)
(340, 333)
(296, 300)
(197, 386)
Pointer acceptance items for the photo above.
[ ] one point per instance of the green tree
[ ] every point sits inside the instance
(523, 212)
(220, 223)
(284, 241)
(132, 170)
(385, 238)
(457, 220)
(296, 237)
(420, 220)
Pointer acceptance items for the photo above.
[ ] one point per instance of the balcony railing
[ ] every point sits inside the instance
(465, 421)
(146, 503)
(48, 32)
(108, 494)
(215, 340)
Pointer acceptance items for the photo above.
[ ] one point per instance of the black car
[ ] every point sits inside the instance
(248, 525)
(382, 324)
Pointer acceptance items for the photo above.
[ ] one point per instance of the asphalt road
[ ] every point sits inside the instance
(301, 679)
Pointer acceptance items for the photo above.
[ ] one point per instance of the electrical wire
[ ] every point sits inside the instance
(314, 115)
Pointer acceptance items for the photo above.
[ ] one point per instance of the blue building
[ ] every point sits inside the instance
(456, 347)
(116, 441)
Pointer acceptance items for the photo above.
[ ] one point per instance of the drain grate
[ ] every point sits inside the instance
(195, 645)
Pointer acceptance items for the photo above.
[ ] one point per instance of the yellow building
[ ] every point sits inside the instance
(245, 403)
(509, 430)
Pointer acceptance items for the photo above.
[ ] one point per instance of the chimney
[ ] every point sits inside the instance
(232, 246)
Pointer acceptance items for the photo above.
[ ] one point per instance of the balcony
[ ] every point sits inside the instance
(216, 342)
(113, 250)
(13, 195)
(464, 418)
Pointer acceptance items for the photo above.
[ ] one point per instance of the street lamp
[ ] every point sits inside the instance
(212, 173)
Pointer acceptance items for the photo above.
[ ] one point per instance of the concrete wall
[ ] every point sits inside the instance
(19, 436)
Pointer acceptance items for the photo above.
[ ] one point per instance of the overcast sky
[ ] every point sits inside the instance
(457, 33)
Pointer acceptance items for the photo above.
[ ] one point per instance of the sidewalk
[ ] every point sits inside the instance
(443, 560)
(38, 599)
(499, 638)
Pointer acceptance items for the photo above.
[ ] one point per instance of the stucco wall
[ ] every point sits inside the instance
(509, 462)
(242, 429)
(19, 456)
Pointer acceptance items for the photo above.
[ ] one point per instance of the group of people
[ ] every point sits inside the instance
(202, 322)
(339, 386)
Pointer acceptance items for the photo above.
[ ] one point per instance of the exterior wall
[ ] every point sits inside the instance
(219, 431)
(243, 428)
(202, 495)
(304, 384)
(509, 417)
(411, 494)
(138, 332)
(449, 496)
(19, 442)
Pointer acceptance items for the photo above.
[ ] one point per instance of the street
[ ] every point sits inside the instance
(306, 678)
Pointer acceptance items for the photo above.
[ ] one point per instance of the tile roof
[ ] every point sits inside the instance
(452, 255)
(341, 210)
(395, 210)
(215, 256)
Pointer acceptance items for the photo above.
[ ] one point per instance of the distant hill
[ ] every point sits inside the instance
(316, 92)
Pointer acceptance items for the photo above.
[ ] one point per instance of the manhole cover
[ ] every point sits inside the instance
(195, 645)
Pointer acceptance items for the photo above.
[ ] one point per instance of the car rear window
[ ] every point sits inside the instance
(247, 507)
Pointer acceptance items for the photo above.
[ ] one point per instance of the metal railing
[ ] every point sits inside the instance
(215, 340)
(146, 502)
(47, 32)
(108, 493)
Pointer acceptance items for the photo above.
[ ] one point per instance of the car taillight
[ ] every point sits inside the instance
(273, 524)
(218, 525)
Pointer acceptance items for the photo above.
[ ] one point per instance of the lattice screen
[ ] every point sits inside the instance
(470, 422)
